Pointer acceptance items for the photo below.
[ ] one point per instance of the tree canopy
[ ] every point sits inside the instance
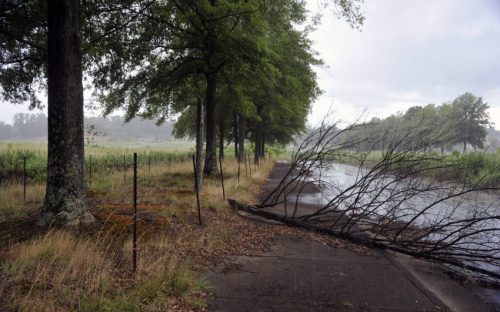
(245, 58)
(463, 121)
(153, 58)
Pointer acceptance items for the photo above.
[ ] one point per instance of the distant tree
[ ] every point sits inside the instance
(5, 131)
(29, 125)
(443, 129)
(425, 125)
(462, 121)
(469, 119)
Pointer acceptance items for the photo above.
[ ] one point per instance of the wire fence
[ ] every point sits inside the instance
(28, 167)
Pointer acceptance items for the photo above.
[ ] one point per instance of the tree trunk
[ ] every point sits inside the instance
(210, 149)
(236, 153)
(65, 202)
(257, 138)
(262, 142)
(465, 146)
(241, 139)
(199, 143)
(442, 149)
(221, 138)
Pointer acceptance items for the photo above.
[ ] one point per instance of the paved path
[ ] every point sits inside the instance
(298, 274)
(302, 275)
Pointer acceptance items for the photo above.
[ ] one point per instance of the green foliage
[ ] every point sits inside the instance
(108, 161)
(152, 58)
(462, 121)
(104, 304)
(23, 51)
(476, 168)
(469, 119)
(272, 89)
(171, 283)
(11, 162)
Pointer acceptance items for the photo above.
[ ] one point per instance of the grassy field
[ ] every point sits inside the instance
(103, 158)
(89, 269)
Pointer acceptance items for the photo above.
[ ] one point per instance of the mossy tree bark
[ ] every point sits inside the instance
(199, 143)
(65, 202)
(210, 167)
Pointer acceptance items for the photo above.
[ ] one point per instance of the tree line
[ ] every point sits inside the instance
(250, 61)
(32, 126)
(462, 122)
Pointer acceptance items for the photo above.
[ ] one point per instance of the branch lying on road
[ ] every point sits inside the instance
(356, 239)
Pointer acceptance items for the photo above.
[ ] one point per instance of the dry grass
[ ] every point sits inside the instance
(90, 270)
(61, 272)
(52, 272)
(13, 204)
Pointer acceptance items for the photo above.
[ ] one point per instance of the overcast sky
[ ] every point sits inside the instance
(407, 53)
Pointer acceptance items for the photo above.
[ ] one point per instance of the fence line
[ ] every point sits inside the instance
(97, 166)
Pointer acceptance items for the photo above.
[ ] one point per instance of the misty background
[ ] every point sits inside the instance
(33, 126)
(26, 126)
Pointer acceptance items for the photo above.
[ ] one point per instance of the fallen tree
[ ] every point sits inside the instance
(398, 200)
(366, 241)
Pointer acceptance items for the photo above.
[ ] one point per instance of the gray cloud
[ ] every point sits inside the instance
(410, 53)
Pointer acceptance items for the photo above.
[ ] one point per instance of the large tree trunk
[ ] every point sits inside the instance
(241, 139)
(221, 138)
(210, 149)
(199, 143)
(65, 202)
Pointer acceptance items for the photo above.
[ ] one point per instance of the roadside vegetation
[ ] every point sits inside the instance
(475, 168)
(456, 125)
(90, 268)
(100, 159)
(437, 135)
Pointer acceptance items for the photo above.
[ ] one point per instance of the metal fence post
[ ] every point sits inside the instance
(196, 190)
(24, 178)
(90, 171)
(222, 178)
(124, 168)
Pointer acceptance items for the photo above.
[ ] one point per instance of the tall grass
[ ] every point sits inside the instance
(61, 272)
(99, 159)
(478, 168)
